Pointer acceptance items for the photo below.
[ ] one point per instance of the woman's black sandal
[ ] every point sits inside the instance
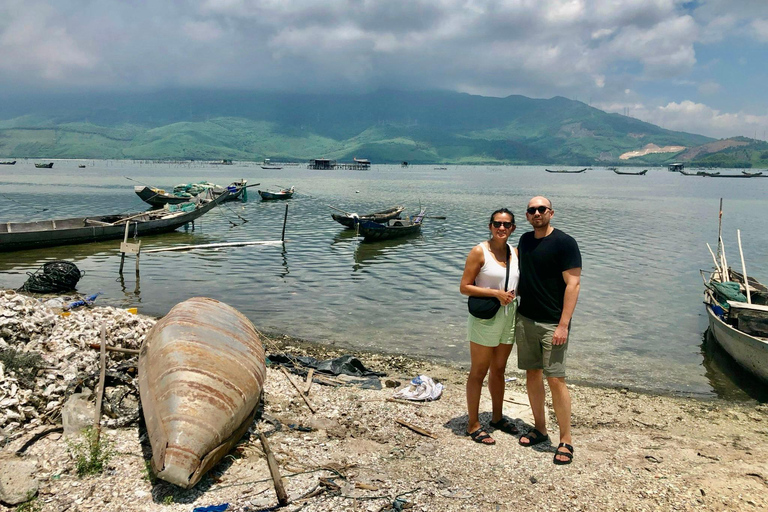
(568, 456)
(505, 426)
(533, 441)
(480, 436)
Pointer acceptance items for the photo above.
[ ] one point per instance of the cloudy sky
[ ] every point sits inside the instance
(697, 66)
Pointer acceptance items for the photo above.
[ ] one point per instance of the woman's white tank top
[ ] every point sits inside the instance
(492, 274)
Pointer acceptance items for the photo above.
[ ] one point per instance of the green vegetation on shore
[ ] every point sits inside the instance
(385, 127)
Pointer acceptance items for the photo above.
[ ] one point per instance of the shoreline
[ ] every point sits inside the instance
(633, 451)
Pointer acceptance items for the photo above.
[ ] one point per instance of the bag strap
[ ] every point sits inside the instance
(509, 260)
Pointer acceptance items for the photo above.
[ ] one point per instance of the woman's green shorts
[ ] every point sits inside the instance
(497, 330)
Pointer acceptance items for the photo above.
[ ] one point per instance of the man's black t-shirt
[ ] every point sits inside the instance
(542, 263)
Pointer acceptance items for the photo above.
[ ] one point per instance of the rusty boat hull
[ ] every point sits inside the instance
(201, 374)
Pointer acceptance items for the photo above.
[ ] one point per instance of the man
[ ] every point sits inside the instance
(550, 278)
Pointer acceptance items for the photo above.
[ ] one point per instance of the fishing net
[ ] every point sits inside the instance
(183, 207)
(53, 277)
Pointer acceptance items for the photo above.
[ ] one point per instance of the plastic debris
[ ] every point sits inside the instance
(88, 301)
(212, 508)
(421, 388)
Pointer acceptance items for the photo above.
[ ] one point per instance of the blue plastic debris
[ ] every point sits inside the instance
(212, 508)
(88, 301)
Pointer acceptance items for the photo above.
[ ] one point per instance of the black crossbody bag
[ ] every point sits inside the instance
(486, 307)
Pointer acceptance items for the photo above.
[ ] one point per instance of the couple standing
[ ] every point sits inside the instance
(545, 269)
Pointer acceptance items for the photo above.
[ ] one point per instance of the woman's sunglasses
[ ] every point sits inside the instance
(541, 209)
(499, 223)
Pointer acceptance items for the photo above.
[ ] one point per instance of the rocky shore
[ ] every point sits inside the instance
(361, 450)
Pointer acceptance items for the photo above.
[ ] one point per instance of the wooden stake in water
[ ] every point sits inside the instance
(743, 267)
(285, 219)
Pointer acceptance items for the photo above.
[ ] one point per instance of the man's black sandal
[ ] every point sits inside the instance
(533, 441)
(480, 436)
(505, 426)
(568, 456)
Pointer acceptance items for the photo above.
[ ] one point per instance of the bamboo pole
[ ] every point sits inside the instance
(723, 261)
(743, 267)
(719, 271)
(296, 387)
(213, 246)
(102, 377)
(285, 220)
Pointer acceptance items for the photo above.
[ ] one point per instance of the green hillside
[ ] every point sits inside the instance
(385, 127)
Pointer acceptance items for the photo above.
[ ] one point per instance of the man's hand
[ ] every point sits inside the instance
(560, 336)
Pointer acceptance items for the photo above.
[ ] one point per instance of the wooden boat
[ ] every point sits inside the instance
(381, 217)
(267, 164)
(15, 236)
(81, 166)
(201, 375)
(752, 174)
(718, 175)
(740, 328)
(49, 165)
(285, 193)
(393, 228)
(159, 197)
(12, 162)
(627, 173)
(565, 171)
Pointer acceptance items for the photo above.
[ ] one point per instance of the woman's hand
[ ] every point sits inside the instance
(505, 297)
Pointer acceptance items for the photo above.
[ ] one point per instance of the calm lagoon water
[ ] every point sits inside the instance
(639, 322)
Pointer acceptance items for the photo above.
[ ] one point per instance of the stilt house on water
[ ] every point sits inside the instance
(676, 167)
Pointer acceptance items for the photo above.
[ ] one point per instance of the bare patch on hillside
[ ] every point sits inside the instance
(712, 147)
(649, 149)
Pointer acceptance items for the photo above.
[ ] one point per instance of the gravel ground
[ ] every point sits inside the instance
(632, 452)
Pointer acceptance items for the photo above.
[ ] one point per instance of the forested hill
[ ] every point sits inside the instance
(384, 126)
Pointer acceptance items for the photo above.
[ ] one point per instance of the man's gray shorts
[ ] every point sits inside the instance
(535, 350)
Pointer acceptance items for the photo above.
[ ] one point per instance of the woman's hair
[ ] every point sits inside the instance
(502, 210)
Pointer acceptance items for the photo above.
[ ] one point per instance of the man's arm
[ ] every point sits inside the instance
(572, 278)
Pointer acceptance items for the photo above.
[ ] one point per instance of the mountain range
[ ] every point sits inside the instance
(384, 126)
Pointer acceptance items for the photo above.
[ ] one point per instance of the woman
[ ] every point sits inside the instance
(490, 341)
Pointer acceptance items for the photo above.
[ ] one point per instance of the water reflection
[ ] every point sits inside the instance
(367, 252)
(728, 379)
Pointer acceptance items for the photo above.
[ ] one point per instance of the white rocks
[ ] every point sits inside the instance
(29, 326)
(17, 481)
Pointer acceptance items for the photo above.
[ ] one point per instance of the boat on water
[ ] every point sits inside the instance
(628, 173)
(11, 162)
(226, 161)
(201, 376)
(393, 228)
(48, 165)
(566, 171)
(739, 326)
(743, 175)
(737, 308)
(285, 193)
(16, 236)
(81, 166)
(267, 164)
(348, 219)
(186, 192)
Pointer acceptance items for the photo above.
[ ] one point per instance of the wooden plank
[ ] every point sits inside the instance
(416, 429)
(306, 400)
(308, 383)
(274, 471)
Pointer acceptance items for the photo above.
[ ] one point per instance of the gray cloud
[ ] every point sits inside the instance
(575, 48)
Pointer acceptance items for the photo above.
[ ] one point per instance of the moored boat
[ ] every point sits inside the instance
(393, 228)
(348, 220)
(48, 165)
(285, 193)
(185, 193)
(16, 236)
(11, 162)
(201, 375)
(565, 171)
(628, 173)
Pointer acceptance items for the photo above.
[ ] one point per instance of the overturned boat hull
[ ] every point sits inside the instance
(201, 374)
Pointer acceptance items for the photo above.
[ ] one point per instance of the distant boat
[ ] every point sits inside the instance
(404, 164)
(381, 217)
(269, 165)
(16, 236)
(49, 165)
(744, 175)
(441, 168)
(612, 168)
(223, 162)
(565, 171)
(285, 193)
(677, 166)
(8, 163)
(394, 228)
(640, 173)
(81, 166)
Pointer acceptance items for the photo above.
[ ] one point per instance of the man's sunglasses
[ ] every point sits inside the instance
(499, 223)
(533, 209)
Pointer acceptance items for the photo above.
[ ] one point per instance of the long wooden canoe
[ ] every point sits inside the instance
(394, 228)
(201, 374)
(378, 217)
(16, 236)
